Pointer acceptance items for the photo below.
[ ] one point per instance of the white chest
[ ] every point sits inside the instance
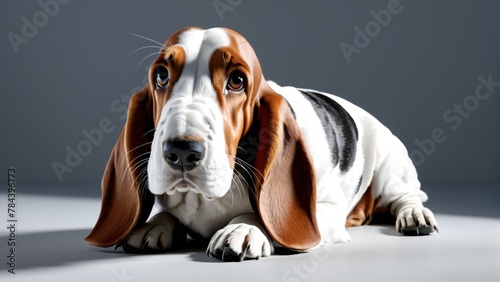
(205, 216)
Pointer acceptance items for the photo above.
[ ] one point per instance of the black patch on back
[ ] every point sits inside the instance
(340, 129)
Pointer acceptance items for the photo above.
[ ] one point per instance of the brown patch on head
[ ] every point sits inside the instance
(237, 109)
(173, 58)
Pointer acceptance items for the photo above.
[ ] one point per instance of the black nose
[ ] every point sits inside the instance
(183, 154)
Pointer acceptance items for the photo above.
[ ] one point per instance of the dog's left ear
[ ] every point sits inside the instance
(286, 182)
(126, 200)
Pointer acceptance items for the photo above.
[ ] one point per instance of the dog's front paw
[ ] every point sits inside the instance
(416, 221)
(154, 236)
(148, 238)
(237, 242)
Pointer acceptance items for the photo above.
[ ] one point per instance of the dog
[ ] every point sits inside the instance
(225, 155)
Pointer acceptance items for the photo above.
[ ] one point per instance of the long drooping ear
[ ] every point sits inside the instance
(286, 182)
(126, 200)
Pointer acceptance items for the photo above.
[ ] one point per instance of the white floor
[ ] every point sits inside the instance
(50, 247)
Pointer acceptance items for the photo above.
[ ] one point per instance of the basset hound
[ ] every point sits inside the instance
(225, 155)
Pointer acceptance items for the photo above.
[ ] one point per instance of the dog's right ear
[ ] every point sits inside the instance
(126, 200)
(285, 177)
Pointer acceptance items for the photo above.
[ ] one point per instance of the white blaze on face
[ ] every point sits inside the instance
(193, 110)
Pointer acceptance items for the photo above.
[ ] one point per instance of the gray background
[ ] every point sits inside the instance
(428, 58)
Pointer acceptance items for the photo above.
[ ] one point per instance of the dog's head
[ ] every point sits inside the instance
(205, 84)
(205, 93)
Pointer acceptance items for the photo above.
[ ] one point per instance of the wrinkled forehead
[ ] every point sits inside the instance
(200, 44)
(193, 39)
(192, 55)
(199, 62)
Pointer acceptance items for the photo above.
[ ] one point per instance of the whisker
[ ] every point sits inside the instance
(240, 187)
(133, 169)
(149, 131)
(240, 163)
(250, 187)
(137, 147)
(143, 174)
(149, 39)
(139, 156)
(143, 181)
(244, 164)
(138, 165)
(254, 170)
(232, 197)
(237, 185)
(141, 48)
(152, 54)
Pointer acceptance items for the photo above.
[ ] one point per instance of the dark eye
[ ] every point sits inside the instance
(236, 82)
(162, 77)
